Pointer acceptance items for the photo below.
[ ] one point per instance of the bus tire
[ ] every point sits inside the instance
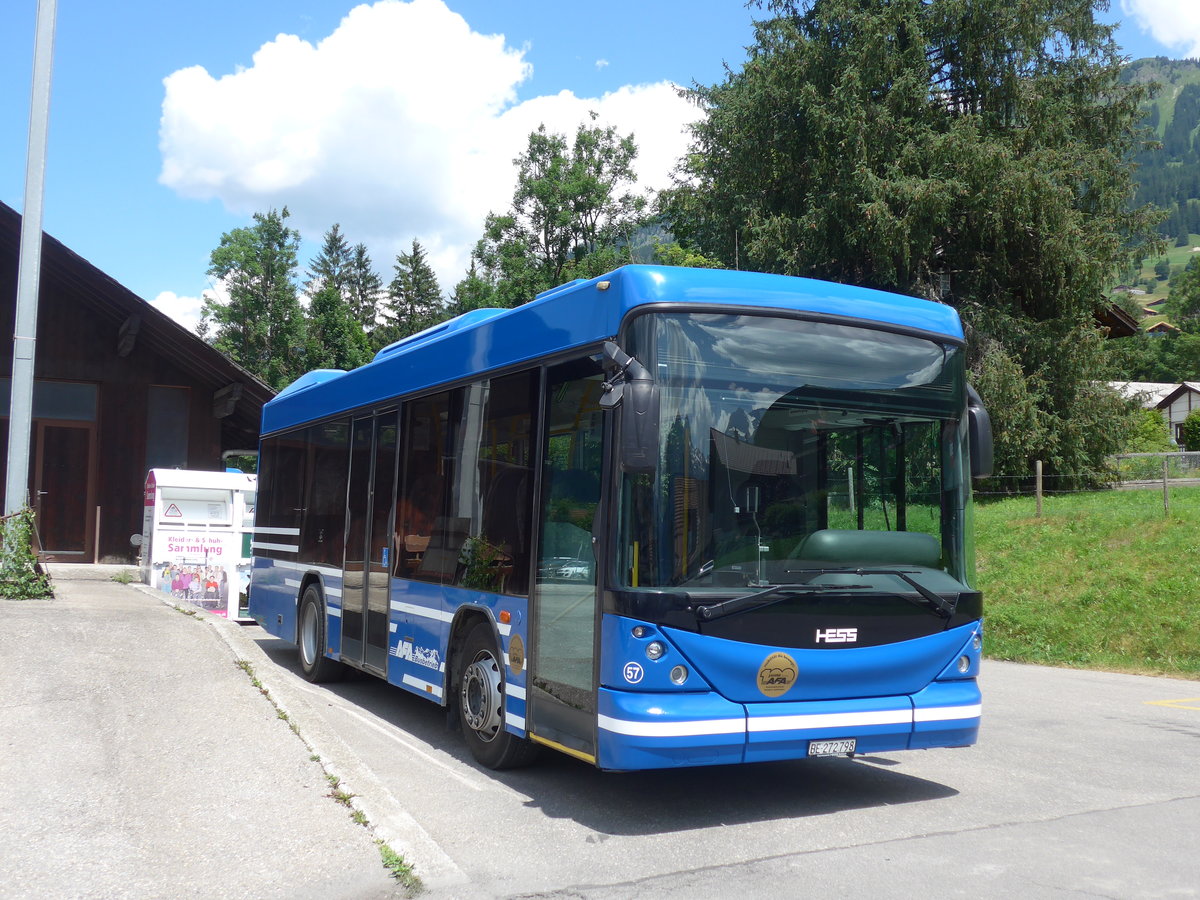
(480, 682)
(315, 666)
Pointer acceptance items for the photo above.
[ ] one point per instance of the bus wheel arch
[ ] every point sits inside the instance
(477, 692)
(315, 666)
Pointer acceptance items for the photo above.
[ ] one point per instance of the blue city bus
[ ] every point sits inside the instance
(664, 517)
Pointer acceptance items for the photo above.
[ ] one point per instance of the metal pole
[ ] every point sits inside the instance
(20, 422)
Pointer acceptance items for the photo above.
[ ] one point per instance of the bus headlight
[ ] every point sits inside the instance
(964, 664)
(679, 674)
(655, 650)
(977, 641)
(640, 631)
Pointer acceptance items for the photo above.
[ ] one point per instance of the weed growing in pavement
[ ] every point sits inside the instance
(125, 576)
(392, 861)
(186, 612)
(399, 869)
(342, 797)
(249, 670)
(20, 576)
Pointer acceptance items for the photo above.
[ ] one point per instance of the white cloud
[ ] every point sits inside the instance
(601, 63)
(184, 310)
(1173, 23)
(402, 123)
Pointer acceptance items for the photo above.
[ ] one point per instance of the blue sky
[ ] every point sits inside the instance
(172, 123)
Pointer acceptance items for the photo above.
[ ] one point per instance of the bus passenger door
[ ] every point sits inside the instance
(373, 443)
(562, 687)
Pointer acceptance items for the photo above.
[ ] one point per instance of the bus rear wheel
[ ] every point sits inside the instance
(481, 704)
(315, 666)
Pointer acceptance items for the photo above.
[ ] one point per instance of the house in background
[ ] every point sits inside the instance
(1176, 406)
(1174, 400)
(119, 388)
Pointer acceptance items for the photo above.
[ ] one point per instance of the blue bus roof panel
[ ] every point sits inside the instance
(577, 315)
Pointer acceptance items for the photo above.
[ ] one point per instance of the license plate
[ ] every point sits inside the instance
(831, 748)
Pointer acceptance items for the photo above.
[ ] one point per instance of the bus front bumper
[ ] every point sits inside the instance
(666, 730)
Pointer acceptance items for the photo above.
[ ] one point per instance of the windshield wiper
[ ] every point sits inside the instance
(769, 595)
(940, 604)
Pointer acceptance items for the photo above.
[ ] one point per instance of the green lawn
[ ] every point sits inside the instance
(1101, 580)
(1178, 256)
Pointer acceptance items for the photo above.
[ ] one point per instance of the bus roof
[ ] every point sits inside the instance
(580, 314)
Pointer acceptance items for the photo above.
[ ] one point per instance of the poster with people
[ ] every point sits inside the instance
(196, 543)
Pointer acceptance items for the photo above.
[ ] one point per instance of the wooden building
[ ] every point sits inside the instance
(119, 388)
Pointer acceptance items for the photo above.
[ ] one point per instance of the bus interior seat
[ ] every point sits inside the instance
(440, 559)
(841, 546)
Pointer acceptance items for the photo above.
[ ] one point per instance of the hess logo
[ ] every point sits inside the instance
(837, 636)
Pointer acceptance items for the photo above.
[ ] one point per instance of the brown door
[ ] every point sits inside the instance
(62, 495)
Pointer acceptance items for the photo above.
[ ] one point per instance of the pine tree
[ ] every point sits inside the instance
(414, 300)
(336, 339)
(261, 326)
(364, 289)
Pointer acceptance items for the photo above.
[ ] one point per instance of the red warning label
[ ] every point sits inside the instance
(173, 511)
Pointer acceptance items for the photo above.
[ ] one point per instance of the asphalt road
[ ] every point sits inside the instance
(1082, 784)
(138, 761)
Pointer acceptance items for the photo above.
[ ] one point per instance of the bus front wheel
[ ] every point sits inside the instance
(315, 666)
(481, 704)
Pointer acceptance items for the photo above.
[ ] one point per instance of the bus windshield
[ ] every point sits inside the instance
(789, 450)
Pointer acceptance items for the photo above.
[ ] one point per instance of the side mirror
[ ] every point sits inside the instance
(979, 433)
(633, 390)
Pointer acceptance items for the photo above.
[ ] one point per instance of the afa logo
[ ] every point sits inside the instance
(776, 675)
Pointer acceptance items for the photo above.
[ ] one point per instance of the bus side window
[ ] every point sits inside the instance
(492, 487)
(420, 502)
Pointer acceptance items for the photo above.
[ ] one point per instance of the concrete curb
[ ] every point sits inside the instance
(388, 820)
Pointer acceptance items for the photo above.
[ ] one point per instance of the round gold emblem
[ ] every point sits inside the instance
(777, 674)
(516, 654)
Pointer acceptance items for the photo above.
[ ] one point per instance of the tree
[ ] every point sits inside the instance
(973, 151)
(335, 338)
(261, 325)
(1189, 431)
(473, 292)
(364, 288)
(573, 210)
(1183, 305)
(1149, 433)
(414, 300)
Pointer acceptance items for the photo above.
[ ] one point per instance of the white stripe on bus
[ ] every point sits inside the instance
(423, 611)
(948, 713)
(514, 690)
(334, 611)
(262, 530)
(514, 721)
(327, 571)
(760, 725)
(831, 720)
(286, 548)
(428, 688)
(672, 729)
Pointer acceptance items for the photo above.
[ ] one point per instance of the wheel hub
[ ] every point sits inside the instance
(481, 701)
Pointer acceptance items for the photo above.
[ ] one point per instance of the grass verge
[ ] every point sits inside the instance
(1102, 580)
